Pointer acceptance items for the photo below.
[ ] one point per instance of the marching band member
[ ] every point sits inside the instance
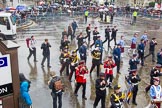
(74, 63)
(156, 92)
(117, 97)
(65, 61)
(109, 65)
(81, 70)
(95, 60)
(133, 62)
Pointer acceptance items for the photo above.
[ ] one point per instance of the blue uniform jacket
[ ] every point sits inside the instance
(159, 58)
(153, 93)
(99, 44)
(133, 63)
(83, 51)
(117, 54)
(24, 88)
(141, 47)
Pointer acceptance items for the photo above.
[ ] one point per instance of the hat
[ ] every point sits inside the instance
(134, 55)
(118, 44)
(74, 51)
(158, 65)
(133, 70)
(156, 79)
(81, 62)
(153, 38)
(102, 74)
(98, 36)
(95, 27)
(116, 87)
(109, 56)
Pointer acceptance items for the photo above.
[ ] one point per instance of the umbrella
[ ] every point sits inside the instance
(105, 9)
(111, 6)
(66, 6)
(68, 10)
(100, 10)
(21, 8)
(10, 9)
(1, 9)
(41, 2)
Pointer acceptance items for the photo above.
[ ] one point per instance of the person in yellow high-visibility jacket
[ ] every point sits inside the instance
(86, 15)
(134, 16)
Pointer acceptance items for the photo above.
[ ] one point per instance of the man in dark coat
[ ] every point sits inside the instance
(107, 36)
(46, 53)
(113, 34)
(141, 49)
(133, 62)
(83, 52)
(159, 57)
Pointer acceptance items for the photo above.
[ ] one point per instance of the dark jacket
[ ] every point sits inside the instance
(64, 44)
(133, 63)
(114, 102)
(107, 32)
(159, 58)
(114, 32)
(83, 51)
(117, 54)
(96, 57)
(45, 47)
(141, 48)
(134, 79)
(99, 44)
(100, 89)
(80, 40)
(154, 73)
(74, 25)
(152, 46)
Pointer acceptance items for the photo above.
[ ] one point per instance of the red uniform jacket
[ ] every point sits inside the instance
(109, 67)
(80, 71)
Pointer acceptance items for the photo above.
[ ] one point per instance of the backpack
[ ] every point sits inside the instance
(58, 85)
(27, 41)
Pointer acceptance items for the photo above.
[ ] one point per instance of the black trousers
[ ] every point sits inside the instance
(56, 96)
(113, 38)
(86, 19)
(32, 52)
(48, 60)
(63, 67)
(72, 71)
(117, 62)
(89, 36)
(95, 65)
(83, 58)
(135, 90)
(141, 57)
(94, 40)
(110, 77)
(151, 53)
(78, 86)
(98, 98)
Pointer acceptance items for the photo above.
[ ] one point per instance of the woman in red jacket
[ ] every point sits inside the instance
(109, 64)
(80, 78)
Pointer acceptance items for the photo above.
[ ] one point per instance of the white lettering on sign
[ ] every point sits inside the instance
(1, 62)
(3, 90)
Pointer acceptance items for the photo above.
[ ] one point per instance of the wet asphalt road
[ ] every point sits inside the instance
(52, 29)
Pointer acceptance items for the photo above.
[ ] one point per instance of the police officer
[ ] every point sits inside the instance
(80, 78)
(133, 62)
(134, 79)
(74, 59)
(65, 61)
(155, 72)
(100, 91)
(95, 60)
(152, 49)
(117, 55)
(117, 97)
(141, 49)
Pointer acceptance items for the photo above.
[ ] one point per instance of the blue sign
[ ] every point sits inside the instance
(3, 62)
